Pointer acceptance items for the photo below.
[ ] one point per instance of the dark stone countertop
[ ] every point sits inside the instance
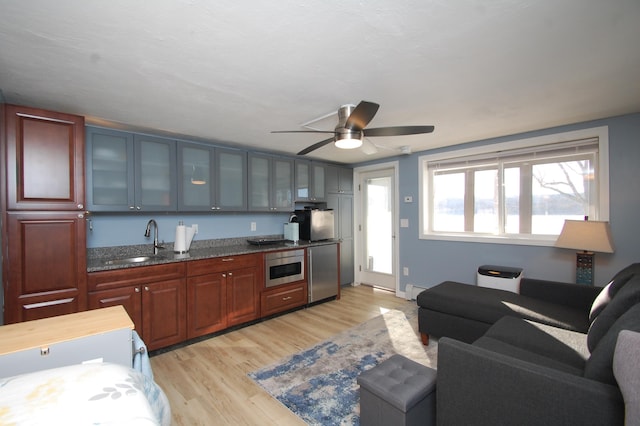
(98, 258)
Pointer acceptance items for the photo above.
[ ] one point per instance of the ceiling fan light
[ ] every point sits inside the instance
(348, 143)
(348, 139)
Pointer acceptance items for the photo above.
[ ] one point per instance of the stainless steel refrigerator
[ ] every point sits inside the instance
(323, 272)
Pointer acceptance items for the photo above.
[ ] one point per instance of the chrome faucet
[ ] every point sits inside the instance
(147, 234)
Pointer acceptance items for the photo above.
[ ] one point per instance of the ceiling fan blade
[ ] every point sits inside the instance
(398, 130)
(361, 115)
(303, 131)
(316, 146)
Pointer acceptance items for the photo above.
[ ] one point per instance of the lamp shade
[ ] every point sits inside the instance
(588, 235)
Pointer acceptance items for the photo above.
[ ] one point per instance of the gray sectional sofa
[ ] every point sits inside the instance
(544, 356)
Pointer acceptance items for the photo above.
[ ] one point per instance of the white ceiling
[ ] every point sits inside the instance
(233, 70)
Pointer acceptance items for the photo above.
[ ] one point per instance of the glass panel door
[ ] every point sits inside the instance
(378, 233)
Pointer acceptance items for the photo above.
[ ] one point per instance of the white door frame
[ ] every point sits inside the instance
(358, 219)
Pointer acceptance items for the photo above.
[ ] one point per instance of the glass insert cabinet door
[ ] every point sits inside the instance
(110, 183)
(155, 173)
(211, 179)
(231, 183)
(197, 185)
(259, 183)
(282, 184)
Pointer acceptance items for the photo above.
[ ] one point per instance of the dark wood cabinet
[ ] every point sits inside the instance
(243, 295)
(222, 292)
(283, 298)
(43, 225)
(129, 297)
(44, 272)
(44, 159)
(164, 313)
(207, 304)
(154, 297)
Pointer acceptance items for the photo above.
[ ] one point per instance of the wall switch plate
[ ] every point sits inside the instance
(404, 223)
(253, 226)
(405, 271)
(195, 228)
(408, 199)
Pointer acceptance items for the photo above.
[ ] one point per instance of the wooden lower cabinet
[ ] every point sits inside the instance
(164, 311)
(243, 295)
(222, 292)
(207, 304)
(173, 302)
(153, 296)
(284, 297)
(129, 297)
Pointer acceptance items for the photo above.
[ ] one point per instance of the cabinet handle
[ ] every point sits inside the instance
(224, 275)
(228, 259)
(287, 298)
(137, 290)
(80, 206)
(80, 215)
(131, 208)
(230, 274)
(146, 288)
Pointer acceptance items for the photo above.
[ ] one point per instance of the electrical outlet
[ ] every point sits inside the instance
(253, 226)
(405, 271)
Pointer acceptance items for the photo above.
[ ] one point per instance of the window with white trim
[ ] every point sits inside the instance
(520, 191)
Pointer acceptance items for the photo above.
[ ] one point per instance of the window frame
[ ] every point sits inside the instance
(600, 133)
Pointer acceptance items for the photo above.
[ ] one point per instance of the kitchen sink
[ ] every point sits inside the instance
(130, 260)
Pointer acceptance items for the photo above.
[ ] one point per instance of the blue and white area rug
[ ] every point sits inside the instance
(319, 384)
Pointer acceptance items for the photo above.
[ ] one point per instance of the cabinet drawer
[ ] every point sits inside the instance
(222, 264)
(283, 298)
(134, 276)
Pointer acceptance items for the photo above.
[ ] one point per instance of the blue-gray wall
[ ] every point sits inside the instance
(431, 262)
(117, 230)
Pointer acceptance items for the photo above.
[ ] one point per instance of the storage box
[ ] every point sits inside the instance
(500, 277)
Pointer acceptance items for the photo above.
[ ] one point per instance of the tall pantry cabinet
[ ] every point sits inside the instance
(43, 213)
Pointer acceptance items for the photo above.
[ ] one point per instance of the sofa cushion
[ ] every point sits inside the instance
(488, 305)
(599, 366)
(627, 296)
(610, 290)
(565, 346)
(626, 369)
(513, 351)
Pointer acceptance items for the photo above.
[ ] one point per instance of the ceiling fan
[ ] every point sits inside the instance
(351, 130)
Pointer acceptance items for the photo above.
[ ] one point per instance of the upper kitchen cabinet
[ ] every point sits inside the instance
(339, 180)
(110, 170)
(155, 174)
(231, 180)
(130, 172)
(211, 178)
(310, 181)
(44, 159)
(270, 183)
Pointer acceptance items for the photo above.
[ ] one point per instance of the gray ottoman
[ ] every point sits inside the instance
(399, 391)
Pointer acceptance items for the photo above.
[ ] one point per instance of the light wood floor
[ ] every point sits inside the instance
(207, 382)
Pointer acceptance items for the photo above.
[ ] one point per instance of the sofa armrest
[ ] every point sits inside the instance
(481, 387)
(578, 296)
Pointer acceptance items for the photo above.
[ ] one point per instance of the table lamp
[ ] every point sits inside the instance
(589, 236)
